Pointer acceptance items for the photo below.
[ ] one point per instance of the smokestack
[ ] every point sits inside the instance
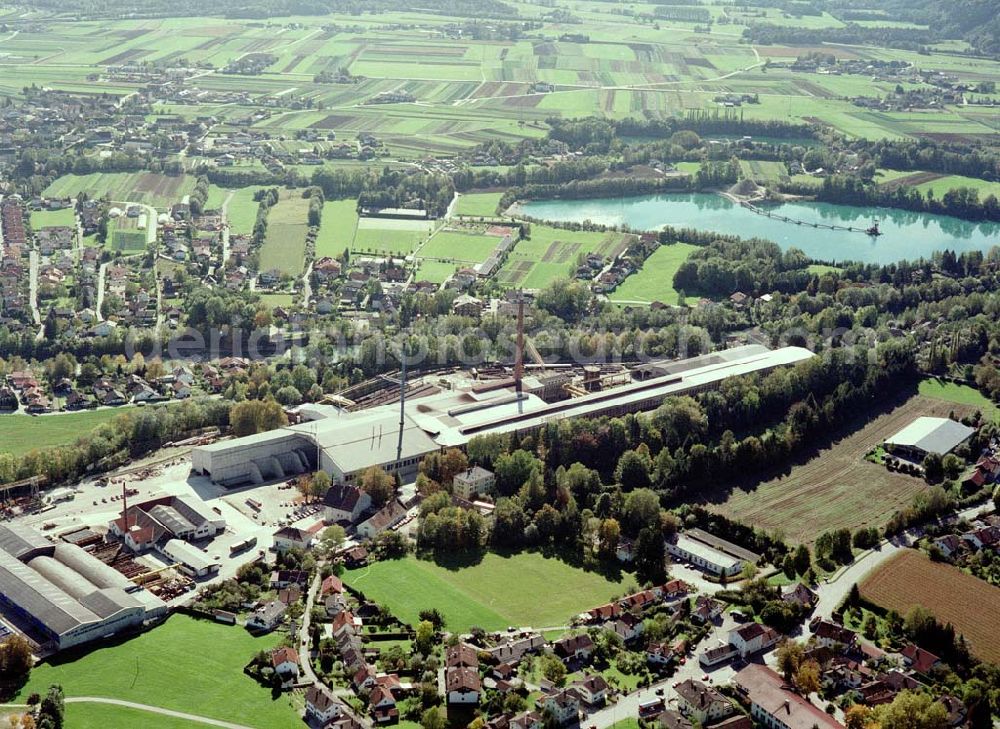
(519, 355)
(402, 403)
(125, 506)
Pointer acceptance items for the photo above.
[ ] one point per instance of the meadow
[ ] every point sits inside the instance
(390, 237)
(337, 227)
(960, 395)
(172, 667)
(451, 244)
(241, 212)
(284, 246)
(549, 592)
(655, 280)
(553, 252)
(971, 605)
(20, 434)
(52, 218)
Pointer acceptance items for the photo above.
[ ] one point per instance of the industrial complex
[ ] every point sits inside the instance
(64, 595)
(397, 436)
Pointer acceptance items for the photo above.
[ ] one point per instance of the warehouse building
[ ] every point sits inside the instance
(928, 435)
(710, 553)
(65, 595)
(153, 522)
(345, 443)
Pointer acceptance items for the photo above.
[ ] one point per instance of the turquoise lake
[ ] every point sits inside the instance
(905, 235)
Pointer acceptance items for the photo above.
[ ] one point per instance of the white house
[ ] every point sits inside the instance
(701, 702)
(267, 617)
(288, 537)
(474, 481)
(285, 662)
(344, 502)
(321, 706)
(563, 705)
(753, 638)
(463, 685)
(592, 690)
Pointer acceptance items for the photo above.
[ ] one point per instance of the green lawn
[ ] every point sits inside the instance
(457, 245)
(525, 589)
(22, 433)
(951, 182)
(435, 271)
(959, 394)
(336, 230)
(185, 664)
(241, 213)
(478, 204)
(103, 716)
(819, 269)
(52, 218)
(655, 280)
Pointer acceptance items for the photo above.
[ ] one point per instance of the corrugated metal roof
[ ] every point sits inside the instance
(932, 435)
(41, 599)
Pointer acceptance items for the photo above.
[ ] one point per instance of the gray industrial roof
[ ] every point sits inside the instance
(38, 597)
(92, 568)
(18, 541)
(105, 603)
(171, 519)
(932, 435)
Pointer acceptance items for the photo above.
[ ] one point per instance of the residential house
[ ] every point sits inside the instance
(385, 518)
(706, 609)
(383, 705)
(462, 655)
(671, 719)
(321, 706)
(701, 702)
(288, 537)
(592, 689)
(285, 662)
(574, 647)
(833, 636)
(513, 651)
(345, 503)
(462, 685)
(800, 594)
(753, 638)
(562, 705)
(918, 659)
(267, 617)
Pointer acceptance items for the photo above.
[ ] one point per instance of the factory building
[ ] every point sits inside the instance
(65, 595)
(153, 522)
(345, 443)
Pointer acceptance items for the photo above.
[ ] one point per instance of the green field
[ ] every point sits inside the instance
(478, 204)
(241, 213)
(820, 268)
(284, 245)
(185, 665)
(960, 395)
(552, 253)
(151, 188)
(124, 235)
(52, 218)
(22, 433)
(275, 300)
(103, 716)
(549, 592)
(435, 271)
(390, 237)
(655, 280)
(458, 245)
(336, 230)
(951, 182)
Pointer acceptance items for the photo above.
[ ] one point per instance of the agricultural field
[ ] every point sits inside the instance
(125, 235)
(837, 487)
(241, 212)
(550, 592)
(390, 237)
(284, 246)
(337, 226)
(763, 172)
(478, 204)
(20, 434)
(434, 271)
(156, 667)
(972, 605)
(655, 280)
(552, 252)
(160, 191)
(102, 716)
(941, 185)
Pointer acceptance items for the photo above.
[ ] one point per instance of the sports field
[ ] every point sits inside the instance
(459, 245)
(22, 433)
(390, 237)
(478, 204)
(970, 604)
(336, 230)
(837, 487)
(548, 592)
(185, 664)
(284, 245)
(434, 271)
(655, 280)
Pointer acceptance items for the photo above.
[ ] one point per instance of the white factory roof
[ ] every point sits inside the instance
(932, 435)
(707, 553)
(182, 552)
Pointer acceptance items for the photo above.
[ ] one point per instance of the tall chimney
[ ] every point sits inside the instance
(125, 505)
(519, 354)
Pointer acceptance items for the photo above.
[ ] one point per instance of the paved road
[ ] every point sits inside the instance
(101, 274)
(33, 285)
